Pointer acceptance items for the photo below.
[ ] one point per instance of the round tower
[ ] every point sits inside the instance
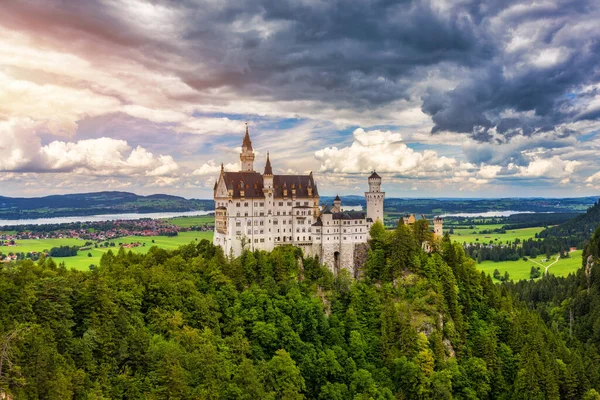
(438, 224)
(375, 198)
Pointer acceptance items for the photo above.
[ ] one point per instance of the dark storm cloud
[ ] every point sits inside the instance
(360, 55)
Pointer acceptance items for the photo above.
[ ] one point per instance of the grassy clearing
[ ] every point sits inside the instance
(520, 269)
(467, 235)
(82, 261)
(187, 222)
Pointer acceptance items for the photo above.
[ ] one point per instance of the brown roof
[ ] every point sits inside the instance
(374, 175)
(299, 182)
(252, 184)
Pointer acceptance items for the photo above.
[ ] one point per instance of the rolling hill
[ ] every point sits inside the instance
(96, 203)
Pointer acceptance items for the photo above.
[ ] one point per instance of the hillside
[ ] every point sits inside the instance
(96, 203)
(438, 206)
(577, 231)
(193, 324)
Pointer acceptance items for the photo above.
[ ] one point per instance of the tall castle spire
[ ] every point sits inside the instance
(247, 142)
(247, 154)
(268, 169)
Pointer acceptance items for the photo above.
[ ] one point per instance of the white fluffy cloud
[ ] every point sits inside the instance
(210, 168)
(553, 167)
(384, 152)
(22, 150)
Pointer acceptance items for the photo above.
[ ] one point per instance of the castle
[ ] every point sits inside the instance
(260, 211)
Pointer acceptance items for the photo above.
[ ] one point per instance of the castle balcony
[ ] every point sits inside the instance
(221, 220)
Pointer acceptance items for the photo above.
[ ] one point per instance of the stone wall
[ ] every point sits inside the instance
(361, 250)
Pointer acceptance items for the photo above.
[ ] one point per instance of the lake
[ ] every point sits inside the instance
(102, 217)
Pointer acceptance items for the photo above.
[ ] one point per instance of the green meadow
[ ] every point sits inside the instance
(520, 269)
(467, 235)
(516, 269)
(82, 261)
(187, 222)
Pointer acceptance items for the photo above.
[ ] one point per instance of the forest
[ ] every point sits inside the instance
(193, 324)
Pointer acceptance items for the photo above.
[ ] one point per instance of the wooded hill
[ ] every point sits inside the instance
(192, 323)
(577, 231)
(96, 203)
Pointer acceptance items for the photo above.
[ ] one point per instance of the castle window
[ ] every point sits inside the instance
(237, 204)
(281, 204)
(238, 214)
(262, 240)
(262, 204)
(306, 203)
(289, 203)
(262, 214)
(246, 204)
(246, 214)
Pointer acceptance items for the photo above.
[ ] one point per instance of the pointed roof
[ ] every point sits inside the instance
(337, 198)
(374, 175)
(268, 169)
(247, 142)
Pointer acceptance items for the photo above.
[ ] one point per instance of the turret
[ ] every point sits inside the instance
(247, 154)
(375, 198)
(374, 183)
(337, 204)
(438, 224)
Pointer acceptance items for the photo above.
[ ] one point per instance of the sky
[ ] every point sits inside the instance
(443, 98)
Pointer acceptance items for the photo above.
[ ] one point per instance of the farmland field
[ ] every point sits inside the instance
(467, 235)
(82, 261)
(187, 222)
(520, 269)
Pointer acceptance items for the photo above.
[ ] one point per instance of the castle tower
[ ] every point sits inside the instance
(438, 223)
(337, 204)
(375, 198)
(268, 191)
(247, 154)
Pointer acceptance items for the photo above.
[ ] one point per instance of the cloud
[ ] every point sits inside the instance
(23, 152)
(508, 84)
(546, 168)
(384, 152)
(210, 168)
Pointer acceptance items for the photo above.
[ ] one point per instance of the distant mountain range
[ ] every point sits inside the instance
(124, 202)
(96, 203)
(438, 206)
